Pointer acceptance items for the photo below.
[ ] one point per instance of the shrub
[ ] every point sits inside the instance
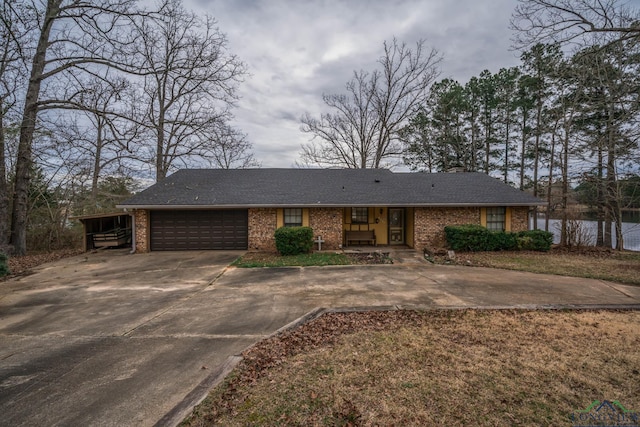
(535, 240)
(469, 237)
(502, 241)
(4, 267)
(294, 240)
(477, 238)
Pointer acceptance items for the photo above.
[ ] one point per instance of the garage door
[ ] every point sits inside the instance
(199, 230)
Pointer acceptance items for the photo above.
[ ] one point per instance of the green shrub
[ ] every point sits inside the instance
(294, 240)
(502, 241)
(469, 237)
(4, 266)
(534, 240)
(476, 238)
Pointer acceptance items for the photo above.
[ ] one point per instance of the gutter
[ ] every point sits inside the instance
(334, 205)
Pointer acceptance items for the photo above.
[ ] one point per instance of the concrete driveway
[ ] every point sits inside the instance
(118, 339)
(70, 352)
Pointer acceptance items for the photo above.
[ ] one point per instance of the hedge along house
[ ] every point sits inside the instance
(199, 209)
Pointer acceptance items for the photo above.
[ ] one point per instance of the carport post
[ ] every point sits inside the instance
(133, 231)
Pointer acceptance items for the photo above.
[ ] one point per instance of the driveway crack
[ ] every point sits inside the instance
(615, 288)
(178, 303)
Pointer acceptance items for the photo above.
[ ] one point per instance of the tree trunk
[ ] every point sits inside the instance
(565, 188)
(487, 143)
(550, 183)
(523, 148)
(160, 147)
(97, 161)
(536, 159)
(474, 139)
(4, 193)
(613, 199)
(27, 129)
(608, 241)
(506, 147)
(600, 199)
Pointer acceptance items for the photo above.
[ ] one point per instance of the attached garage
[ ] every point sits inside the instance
(187, 230)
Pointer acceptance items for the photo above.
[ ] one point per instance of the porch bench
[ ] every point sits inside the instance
(360, 236)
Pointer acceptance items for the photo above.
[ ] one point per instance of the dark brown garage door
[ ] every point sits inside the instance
(199, 230)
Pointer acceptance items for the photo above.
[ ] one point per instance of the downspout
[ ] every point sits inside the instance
(133, 232)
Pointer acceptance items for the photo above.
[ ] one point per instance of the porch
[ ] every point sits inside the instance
(378, 226)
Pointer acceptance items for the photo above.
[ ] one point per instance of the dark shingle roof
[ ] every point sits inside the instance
(194, 188)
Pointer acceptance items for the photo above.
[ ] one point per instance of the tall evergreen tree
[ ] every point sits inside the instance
(506, 103)
(540, 62)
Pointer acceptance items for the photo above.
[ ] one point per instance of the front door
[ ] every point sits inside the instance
(396, 226)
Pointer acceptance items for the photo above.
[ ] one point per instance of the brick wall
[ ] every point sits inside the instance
(519, 219)
(429, 224)
(141, 218)
(327, 222)
(262, 226)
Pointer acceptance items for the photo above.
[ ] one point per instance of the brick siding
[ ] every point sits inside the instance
(519, 219)
(429, 224)
(262, 226)
(141, 218)
(327, 222)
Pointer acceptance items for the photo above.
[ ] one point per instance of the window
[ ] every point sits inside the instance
(360, 215)
(496, 218)
(293, 217)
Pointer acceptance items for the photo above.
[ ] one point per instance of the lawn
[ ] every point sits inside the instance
(615, 266)
(441, 367)
(268, 259)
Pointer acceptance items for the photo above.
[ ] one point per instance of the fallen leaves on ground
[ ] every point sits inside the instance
(440, 367)
(20, 265)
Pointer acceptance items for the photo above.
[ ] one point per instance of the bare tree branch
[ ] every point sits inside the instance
(189, 86)
(363, 129)
(574, 21)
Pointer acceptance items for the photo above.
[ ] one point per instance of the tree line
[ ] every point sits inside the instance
(566, 116)
(92, 93)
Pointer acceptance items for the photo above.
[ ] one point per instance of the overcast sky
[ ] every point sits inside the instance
(298, 50)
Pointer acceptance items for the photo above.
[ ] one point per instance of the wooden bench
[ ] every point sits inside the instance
(115, 237)
(359, 236)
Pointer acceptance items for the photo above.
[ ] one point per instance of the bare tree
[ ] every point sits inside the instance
(96, 135)
(363, 130)
(13, 37)
(231, 149)
(189, 87)
(71, 38)
(576, 21)
(346, 137)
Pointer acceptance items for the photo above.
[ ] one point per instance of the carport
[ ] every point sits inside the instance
(105, 230)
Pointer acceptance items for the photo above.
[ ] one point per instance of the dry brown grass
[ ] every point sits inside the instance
(434, 368)
(621, 267)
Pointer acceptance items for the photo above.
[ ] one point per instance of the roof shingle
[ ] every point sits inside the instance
(226, 188)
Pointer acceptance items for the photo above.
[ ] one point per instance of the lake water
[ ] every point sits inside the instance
(630, 231)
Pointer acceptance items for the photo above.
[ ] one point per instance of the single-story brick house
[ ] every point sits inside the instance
(196, 209)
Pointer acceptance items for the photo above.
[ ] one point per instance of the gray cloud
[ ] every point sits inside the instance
(298, 50)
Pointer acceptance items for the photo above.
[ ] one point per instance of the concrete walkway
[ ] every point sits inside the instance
(118, 339)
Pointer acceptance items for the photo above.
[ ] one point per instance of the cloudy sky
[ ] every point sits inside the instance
(296, 50)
